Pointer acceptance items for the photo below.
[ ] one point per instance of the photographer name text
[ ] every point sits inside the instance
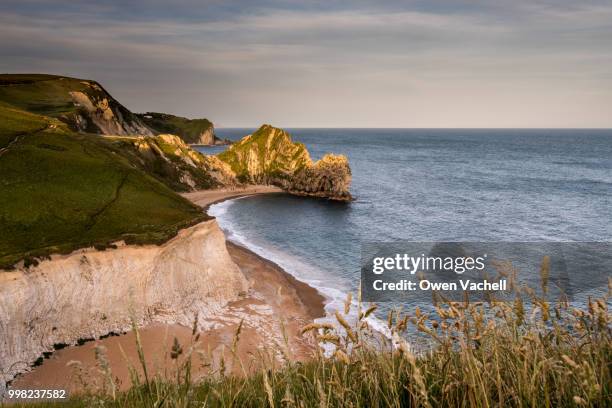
(463, 284)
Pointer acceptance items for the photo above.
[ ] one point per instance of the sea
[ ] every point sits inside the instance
(522, 185)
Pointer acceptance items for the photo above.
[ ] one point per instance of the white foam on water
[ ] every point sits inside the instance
(300, 269)
(333, 289)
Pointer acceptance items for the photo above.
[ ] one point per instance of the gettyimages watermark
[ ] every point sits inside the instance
(407, 271)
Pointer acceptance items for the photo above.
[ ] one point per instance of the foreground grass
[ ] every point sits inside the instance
(61, 191)
(483, 355)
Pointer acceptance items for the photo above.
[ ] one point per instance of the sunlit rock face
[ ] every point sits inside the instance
(329, 177)
(269, 156)
(172, 161)
(98, 112)
(83, 104)
(193, 131)
(89, 293)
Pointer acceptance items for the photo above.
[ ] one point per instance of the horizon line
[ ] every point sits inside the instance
(418, 128)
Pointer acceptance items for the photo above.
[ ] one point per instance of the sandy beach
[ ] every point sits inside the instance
(206, 198)
(275, 302)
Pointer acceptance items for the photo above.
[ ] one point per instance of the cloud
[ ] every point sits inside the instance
(447, 62)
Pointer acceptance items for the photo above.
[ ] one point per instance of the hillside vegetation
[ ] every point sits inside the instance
(194, 131)
(530, 353)
(62, 190)
(85, 106)
(82, 104)
(65, 188)
(170, 160)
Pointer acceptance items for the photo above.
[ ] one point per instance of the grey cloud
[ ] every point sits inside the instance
(327, 64)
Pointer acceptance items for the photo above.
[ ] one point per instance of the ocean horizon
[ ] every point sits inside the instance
(541, 185)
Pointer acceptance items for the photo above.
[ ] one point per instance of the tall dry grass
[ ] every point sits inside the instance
(526, 353)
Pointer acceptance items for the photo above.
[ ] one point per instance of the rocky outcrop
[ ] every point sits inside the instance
(207, 137)
(84, 105)
(192, 131)
(329, 177)
(269, 156)
(91, 293)
(98, 112)
(169, 159)
(266, 156)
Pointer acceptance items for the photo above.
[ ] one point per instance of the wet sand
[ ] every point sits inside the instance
(275, 303)
(205, 198)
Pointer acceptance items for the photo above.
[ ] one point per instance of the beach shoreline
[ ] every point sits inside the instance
(312, 299)
(206, 198)
(276, 307)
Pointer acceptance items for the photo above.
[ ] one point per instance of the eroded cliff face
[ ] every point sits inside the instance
(269, 156)
(98, 112)
(266, 156)
(207, 137)
(84, 105)
(192, 131)
(173, 162)
(90, 293)
(329, 177)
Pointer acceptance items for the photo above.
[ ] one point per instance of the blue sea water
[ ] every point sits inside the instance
(430, 185)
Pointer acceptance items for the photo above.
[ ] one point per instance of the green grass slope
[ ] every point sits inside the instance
(187, 129)
(50, 95)
(171, 161)
(62, 190)
(15, 122)
(39, 93)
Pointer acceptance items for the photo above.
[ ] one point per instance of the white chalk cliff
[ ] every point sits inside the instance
(90, 293)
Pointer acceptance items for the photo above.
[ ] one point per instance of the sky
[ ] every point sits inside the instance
(329, 63)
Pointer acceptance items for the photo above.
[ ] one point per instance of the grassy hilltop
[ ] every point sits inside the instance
(85, 106)
(196, 131)
(82, 104)
(42, 94)
(64, 186)
(62, 190)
